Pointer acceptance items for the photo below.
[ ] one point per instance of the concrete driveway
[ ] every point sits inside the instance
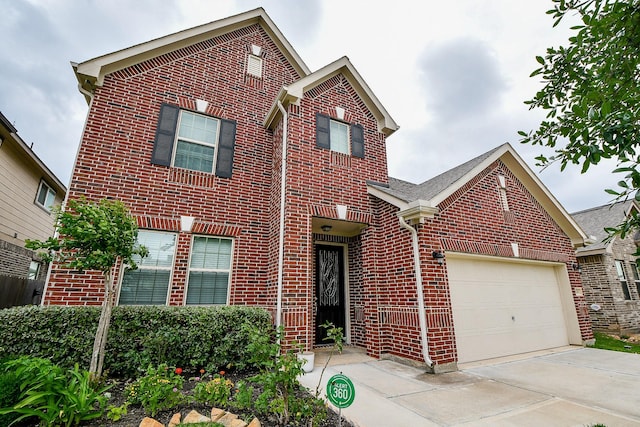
(571, 386)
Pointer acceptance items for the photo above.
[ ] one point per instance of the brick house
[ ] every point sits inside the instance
(256, 181)
(610, 274)
(28, 192)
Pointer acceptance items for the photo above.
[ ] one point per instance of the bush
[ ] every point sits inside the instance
(198, 337)
(159, 389)
(52, 395)
(9, 393)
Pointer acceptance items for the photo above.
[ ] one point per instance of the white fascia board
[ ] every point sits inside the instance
(386, 124)
(392, 200)
(523, 172)
(27, 150)
(440, 197)
(99, 67)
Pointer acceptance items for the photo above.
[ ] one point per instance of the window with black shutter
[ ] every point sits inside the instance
(339, 136)
(189, 140)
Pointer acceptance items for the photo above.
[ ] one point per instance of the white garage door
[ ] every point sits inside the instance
(502, 308)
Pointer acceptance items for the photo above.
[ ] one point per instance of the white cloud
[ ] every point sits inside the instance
(444, 121)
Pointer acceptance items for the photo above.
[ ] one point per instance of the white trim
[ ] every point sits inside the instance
(91, 73)
(293, 93)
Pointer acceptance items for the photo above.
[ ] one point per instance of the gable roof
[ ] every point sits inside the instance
(91, 73)
(419, 201)
(12, 133)
(594, 220)
(293, 93)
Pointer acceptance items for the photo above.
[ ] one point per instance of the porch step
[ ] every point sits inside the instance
(349, 355)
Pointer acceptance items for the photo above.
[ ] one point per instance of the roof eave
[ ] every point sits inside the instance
(26, 149)
(514, 162)
(296, 90)
(92, 72)
(419, 210)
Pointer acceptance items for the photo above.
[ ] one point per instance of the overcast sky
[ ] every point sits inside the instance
(454, 75)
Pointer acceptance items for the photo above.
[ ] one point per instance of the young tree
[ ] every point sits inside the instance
(94, 236)
(591, 93)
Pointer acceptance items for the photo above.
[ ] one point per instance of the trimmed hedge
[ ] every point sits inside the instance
(189, 337)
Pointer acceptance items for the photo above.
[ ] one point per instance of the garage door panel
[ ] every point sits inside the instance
(502, 308)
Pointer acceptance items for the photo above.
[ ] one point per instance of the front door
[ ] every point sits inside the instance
(329, 289)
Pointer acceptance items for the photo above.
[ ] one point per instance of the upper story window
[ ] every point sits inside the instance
(149, 283)
(45, 197)
(338, 136)
(196, 142)
(622, 276)
(189, 140)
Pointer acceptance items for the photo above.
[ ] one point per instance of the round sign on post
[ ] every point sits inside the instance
(340, 391)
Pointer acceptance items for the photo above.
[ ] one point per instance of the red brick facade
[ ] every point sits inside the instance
(114, 161)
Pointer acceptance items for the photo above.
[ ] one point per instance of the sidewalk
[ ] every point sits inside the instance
(572, 386)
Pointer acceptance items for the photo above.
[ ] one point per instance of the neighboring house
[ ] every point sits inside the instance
(610, 270)
(28, 191)
(256, 181)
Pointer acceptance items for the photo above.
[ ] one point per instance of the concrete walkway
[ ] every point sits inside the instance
(571, 386)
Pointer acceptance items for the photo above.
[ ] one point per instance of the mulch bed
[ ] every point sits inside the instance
(135, 413)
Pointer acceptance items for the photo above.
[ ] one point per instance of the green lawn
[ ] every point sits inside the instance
(607, 342)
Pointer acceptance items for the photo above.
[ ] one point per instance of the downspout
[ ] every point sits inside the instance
(422, 317)
(283, 177)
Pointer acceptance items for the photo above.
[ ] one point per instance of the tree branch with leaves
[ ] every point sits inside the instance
(94, 236)
(591, 94)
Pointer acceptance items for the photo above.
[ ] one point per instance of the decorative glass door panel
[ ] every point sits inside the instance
(329, 296)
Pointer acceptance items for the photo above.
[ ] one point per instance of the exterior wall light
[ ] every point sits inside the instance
(438, 256)
(576, 267)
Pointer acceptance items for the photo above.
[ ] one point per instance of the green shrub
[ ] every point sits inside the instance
(52, 395)
(215, 392)
(9, 393)
(278, 377)
(197, 337)
(159, 389)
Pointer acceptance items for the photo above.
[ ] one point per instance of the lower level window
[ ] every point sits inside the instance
(209, 271)
(623, 279)
(149, 283)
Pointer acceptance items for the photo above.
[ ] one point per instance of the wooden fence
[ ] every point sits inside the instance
(19, 291)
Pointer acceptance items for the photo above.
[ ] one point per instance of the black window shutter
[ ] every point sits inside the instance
(226, 144)
(165, 135)
(322, 131)
(357, 141)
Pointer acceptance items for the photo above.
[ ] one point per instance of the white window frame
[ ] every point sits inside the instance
(154, 268)
(214, 270)
(179, 139)
(51, 194)
(622, 277)
(636, 276)
(331, 136)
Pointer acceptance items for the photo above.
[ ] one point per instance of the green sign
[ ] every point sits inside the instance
(340, 391)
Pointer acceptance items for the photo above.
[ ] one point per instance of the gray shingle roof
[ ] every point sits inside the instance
(593, 221)
(410, 192)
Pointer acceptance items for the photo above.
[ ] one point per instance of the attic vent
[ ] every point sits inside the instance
(254, 66)
(502, 189)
